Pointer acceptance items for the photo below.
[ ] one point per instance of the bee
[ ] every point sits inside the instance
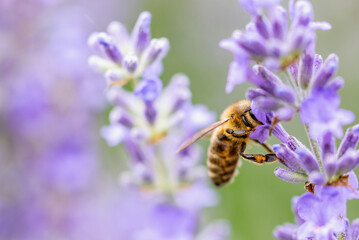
(228, 142)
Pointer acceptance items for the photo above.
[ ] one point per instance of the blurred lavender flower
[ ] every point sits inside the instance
(151, 122)
(125, 57)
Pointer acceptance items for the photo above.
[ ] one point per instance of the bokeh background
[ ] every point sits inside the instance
(257, 201)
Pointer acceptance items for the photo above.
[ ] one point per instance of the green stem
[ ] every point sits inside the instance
(314, 146)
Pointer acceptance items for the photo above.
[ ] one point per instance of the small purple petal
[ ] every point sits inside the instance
(115, 74)
(285, 232)
(262, 27)
(279, 22)
(289, 176)
(336, 84)
(349, 161)
(324, 26)
(119, 115)
(327, 71)
(330, 165)
(252, 94)
(157, 49)
(237, 75)
(318, 61)
(109, 48)
(306, 70)
(130, 63)
(267, 103)
(355, 229)
(260, 133)
(350, 140)
(317, 178)
(148, 89)
(285, 93)
(285, 113)
(113, 134)
(141, 33)
(320, 111)
(303, 14)
(309, 163)
(280, 133)
(253, 6)
(119, 32)
(253, 44)
(328, 145)
(289, 158)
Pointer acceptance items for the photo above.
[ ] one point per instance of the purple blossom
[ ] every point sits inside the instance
(125, 57)
(261, 132)
(268, 40)
(151, 112)
(322, 213)
(320, 111)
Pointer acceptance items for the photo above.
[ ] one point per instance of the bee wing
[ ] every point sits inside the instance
(201, 133)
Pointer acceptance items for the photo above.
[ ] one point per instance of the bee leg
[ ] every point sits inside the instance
(266, 146)
(259, 158)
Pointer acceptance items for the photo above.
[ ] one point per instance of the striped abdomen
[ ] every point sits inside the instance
(223, 157)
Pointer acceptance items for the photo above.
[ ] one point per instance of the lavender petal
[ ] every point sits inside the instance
(350, 140)
(290, 176)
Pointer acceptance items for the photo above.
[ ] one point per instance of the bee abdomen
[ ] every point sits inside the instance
(222, 165)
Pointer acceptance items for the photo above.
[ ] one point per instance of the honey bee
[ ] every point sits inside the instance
(228, 142)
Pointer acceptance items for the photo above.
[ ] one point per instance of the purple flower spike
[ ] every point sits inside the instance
(285, 232)
(141, 33)
(290, 176)
(350, 140)
(320, 111)
(327, 71)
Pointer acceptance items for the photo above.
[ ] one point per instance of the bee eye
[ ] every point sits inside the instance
(229, 131)
(252, 115)
(233, 115)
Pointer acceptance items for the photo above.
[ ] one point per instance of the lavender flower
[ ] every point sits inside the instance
(303, 166)
(268, 40)
(150, 113)
(320, 111)
(125, 57)
(151, 122)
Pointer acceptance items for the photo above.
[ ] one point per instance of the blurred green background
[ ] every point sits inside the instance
(257, 201)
